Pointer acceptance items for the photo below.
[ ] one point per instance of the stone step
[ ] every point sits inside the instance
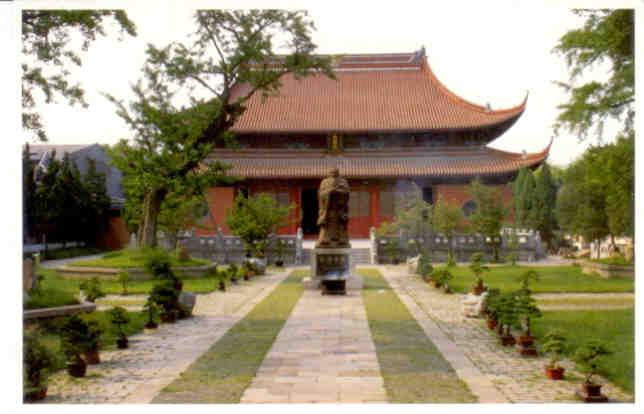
(359, 256)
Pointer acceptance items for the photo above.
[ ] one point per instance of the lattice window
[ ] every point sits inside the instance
(359, 204)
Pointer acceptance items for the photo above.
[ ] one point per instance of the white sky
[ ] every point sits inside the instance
(484, 53)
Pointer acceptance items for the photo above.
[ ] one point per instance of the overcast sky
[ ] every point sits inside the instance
(492, 52)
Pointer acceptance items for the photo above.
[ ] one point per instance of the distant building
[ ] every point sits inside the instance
(116, 236)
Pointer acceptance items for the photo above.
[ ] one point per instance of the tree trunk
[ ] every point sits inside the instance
(151, 208)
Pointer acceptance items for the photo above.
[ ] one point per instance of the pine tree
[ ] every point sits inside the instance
(517, 196)
(28, 194)
(528, 200)
(96, 202)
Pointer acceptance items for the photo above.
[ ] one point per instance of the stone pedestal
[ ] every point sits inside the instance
(331, 269)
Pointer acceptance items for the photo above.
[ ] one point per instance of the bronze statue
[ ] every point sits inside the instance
(333, 218)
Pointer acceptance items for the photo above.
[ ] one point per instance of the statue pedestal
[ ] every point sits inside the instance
(331, 268)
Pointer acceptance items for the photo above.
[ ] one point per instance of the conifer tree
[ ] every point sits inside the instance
(543, 206)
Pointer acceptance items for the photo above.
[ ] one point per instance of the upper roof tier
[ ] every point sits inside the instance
(373, 93)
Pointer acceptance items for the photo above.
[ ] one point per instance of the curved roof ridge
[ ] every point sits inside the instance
(517, 109)
(537, 156)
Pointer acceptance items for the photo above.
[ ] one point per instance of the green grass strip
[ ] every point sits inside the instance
(413, 369)
(223, 372)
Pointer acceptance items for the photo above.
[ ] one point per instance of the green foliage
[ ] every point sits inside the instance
(451, 261)
(492, 303)
(123, 277)
(165, 296)
(119, 317)
(526, 277)
(477, 266)
(92, 289)
(151, 310)
(512, 258)
(129, 258)
(442, 276)
(588, 356)
(490, 212)
(173, 151)
(543, 205)
(526, 309)
(447, 218)
(76, 337)
(424, 267)
(413, 218)
(37, 360)
(607, 39)
(597, 196)
(506, 311)
(554, 344)
(254, 219)
(47, 55)
(157, 263)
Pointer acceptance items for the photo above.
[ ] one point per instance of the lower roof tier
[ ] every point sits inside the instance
(389, 163)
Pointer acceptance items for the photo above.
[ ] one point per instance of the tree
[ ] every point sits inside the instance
(527, 200)
(543, 206)
(28, 193)
(517, 193)
(488, 216)
(97, 203)
(232, 57)
(179, 212)
(254, 219)
(47, 39)
(607, 37)
(447, 219)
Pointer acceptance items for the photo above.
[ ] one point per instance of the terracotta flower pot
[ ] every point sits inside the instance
(234, 281)
(555, 373)
(507, 340)
(77, 368)
(592, 390)
(525, 341)
(121, 343)
(436, 284)
(246, 276)
(92, 357)
(478, 289)
(178, 285)
(222, 286)
(36, 395)
(151, 325)
(169, 317)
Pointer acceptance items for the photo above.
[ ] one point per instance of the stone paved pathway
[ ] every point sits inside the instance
(154, 359)
(515, 379)
(324, 353)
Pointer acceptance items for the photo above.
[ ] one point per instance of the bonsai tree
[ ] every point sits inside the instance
(157, 263)
(280, 247)
(222, 277)
(442, 277)
(92, 289)
(477, 267)
(588, 357)
(233, 273)
(75, 341)
(491, 304)
(526, 278)
(451, 261)
(424, 267)
(36, 362)
(526, 309)
(151, 310)
(554, 346)
(93, 343)
(393, 250)
(166, 297)
(123, 277)
(253, 219)
(508, 317)
(119, 317)
(512, 258)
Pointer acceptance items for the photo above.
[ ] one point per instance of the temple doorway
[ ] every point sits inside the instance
(309, 211)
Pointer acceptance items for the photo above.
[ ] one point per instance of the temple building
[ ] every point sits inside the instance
(386, 121)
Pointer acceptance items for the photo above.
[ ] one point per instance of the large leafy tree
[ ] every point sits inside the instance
(48, 53)
(543, 204)
(606, 37)
(447, 219)
(232, 56)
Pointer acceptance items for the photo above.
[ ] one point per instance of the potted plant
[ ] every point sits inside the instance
(507, 318)
(91, 355)
(120, 317)
(280, 247)
(526, 309)
(477, 267)
(157, 262)
(424, 267)
(588, 357)
(151, 310)
(92, 289)
(123, 277)
(554, 345)
(233, 273)
(441, 278)
(249, 270)
(392, 251)
(491, 308)
(75, 334)
(166, 297)
(36, 362)
(222, 278)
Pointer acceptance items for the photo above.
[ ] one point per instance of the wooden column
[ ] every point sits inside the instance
(294, 197)
(374, 203)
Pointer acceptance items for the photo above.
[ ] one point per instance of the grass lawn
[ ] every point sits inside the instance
(552, 279)
(223, 372)
(132, 258)
(614, 327)
(50, 329)
(57, 291)
(414, 371)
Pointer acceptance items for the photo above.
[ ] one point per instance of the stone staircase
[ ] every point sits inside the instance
(359, 256)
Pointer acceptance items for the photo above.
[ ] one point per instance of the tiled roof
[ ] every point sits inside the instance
(377, 93)
(443, 163)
